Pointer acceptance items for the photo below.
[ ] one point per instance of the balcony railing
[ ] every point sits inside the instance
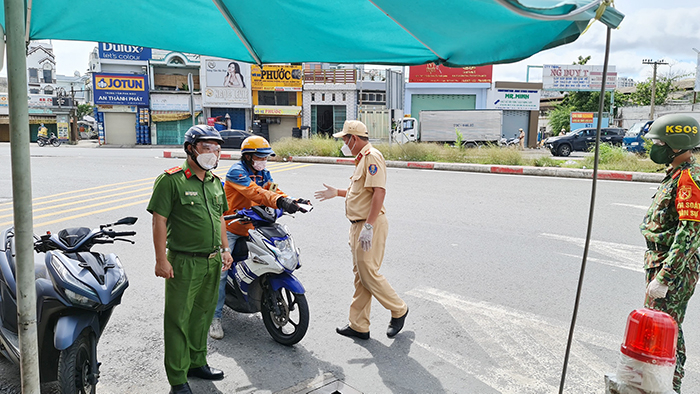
(339, 76)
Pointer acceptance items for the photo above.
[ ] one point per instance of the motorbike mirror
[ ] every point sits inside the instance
(127, 220)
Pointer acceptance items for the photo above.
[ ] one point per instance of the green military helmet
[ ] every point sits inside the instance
(678, 131)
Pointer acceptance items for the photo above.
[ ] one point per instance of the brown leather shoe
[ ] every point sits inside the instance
(349, 332)
(396, 324)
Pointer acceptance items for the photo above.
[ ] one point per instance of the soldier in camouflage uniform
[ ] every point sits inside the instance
(671, 226)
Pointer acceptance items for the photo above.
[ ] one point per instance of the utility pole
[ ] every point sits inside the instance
(655, 63)
(74, 121)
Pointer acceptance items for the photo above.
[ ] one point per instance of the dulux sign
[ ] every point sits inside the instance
(120, 89)
(123, 52)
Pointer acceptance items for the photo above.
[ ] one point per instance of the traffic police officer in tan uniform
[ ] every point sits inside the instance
(364, 207)
(187, 204)
(671, 226)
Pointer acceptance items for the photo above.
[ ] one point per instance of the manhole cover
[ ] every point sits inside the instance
(337, 387)
(324, 384)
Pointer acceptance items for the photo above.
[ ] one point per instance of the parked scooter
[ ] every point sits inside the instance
(509, 142)
(77, 290)
(261, 279)
(41, 141)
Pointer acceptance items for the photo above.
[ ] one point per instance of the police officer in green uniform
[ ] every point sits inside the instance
(671, 226)
(187, 204)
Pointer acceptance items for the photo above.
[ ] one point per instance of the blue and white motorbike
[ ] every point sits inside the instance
(263, 280)
(77, 290)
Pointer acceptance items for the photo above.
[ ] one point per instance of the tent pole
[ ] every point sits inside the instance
(22, 194)
(594, 185)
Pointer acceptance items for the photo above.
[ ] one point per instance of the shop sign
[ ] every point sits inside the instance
(577, 77)
(62, 126)
(175, 102)
(123, 52)
(40, 101)
(120, 89)
(580, 120)
(225, 83)
(274, 110)
(436, 73)
(515, 99)
(277, 78)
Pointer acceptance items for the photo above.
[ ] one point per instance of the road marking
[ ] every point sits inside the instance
(617, 264)
(90, 213)
(525, 351)
(630, 257)
(642, 207)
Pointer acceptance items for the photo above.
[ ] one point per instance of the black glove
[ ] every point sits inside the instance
(287, 204)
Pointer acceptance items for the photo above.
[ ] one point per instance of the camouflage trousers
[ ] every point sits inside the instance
(675, 303)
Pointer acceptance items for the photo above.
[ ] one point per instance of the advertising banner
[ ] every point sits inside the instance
(515, 99)
(123, 52)
(277, 78)
(225, 83)
(120, 89)
(174, 102)
(62, 126)
(580, 120)
(577, 77)
(436, 73)
(291, 110)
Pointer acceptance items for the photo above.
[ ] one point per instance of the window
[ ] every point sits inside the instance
(343, 96)
(33, 75)
(48, 90)
(277, 98)
(47, 76)
(333, 97)
(313, 96)
(323, 97)
(33, 91)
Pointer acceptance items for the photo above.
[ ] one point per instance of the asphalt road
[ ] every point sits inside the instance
(487, 263)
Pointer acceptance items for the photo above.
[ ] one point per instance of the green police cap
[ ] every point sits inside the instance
(677, 131)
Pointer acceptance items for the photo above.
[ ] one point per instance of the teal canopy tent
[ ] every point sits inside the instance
(454, 32)
(401, 32)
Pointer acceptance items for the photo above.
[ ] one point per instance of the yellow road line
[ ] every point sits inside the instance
(82, 190)
(83, 201)
(293, 168)
(90, 213)
(81, 208)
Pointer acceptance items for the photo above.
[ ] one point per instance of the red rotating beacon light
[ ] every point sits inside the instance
(651, 337)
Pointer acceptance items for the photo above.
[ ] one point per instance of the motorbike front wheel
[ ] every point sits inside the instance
(56, 142)
(287, 319)
(74, 367)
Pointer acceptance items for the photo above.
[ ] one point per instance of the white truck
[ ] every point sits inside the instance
(477, 127)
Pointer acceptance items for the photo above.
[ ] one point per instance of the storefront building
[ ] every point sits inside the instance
(277, 100)
(434, 87)
(520, 103)
(226, 92)
(174, 106)
(121, 93)
(329, 98)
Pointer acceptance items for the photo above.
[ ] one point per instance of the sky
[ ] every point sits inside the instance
(652, 29)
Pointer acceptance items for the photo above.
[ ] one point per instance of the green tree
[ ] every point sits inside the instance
(559, 118)
(642, 95)
(82, 110)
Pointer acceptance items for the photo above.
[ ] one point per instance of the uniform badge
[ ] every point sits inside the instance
(191, 194)
(685, 192)
(173, 170)
(372, 169)
(188, 173)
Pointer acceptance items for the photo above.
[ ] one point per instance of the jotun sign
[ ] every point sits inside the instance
(120, 89)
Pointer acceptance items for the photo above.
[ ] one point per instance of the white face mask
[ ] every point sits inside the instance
(208, 161)
(346, 150)
(259, 165)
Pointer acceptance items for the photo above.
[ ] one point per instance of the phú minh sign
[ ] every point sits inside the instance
(120, 89)
(279, 78)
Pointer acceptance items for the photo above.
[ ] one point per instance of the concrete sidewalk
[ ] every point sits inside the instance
(467, 167)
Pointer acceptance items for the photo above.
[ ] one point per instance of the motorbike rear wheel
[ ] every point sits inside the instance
(74, 367)
(40, 142)
(56, 142)
(288, 318)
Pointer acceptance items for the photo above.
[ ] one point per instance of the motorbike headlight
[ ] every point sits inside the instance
(67, 277)
(635, 143)
(122, 281)
(286, 253)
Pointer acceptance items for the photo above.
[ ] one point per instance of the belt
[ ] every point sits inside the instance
(657, 247)
(357, 221)
(197, 254)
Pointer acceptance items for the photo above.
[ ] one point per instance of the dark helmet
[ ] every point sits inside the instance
(678, 131)
(202, 133)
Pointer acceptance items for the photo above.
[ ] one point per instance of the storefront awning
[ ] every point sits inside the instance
(277, 110)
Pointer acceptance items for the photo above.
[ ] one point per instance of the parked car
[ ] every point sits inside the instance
(582, 139)
(634, 138)
(234, 138)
